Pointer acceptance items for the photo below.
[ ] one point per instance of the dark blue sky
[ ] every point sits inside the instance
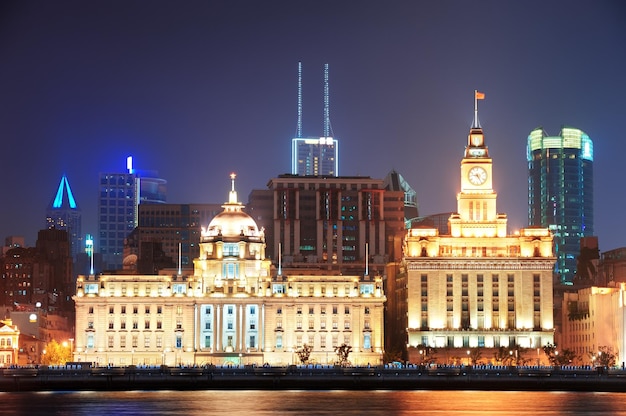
(197, 89)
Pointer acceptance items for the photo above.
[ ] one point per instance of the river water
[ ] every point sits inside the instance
(332, 402)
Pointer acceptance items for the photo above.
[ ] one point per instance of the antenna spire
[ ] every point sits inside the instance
(327, 128)
(299, 126)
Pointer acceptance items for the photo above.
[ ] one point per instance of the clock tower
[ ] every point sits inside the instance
(476, 203)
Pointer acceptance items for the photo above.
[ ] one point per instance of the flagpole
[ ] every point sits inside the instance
(475, 104)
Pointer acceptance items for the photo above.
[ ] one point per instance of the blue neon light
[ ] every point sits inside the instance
(58, 199)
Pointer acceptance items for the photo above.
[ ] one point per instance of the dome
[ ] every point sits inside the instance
(232, 222)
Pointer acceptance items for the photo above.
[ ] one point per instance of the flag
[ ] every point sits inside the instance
(480, 95)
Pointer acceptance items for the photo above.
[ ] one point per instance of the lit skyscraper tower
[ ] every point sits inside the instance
(314, 155)
(63, 213)
(120, 195)
(560, 192)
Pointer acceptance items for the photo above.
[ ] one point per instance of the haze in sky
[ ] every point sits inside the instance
(199, 89)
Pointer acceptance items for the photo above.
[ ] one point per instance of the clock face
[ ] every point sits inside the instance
(477, 175)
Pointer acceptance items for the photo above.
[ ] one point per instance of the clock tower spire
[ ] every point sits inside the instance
(476, 203)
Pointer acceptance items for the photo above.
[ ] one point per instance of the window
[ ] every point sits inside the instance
(159, 309)
(335, 309)
(159, 324)
(135, 341)
(207, 325)
(347, 310)
(123, 309)
(299, 310)
(91, 310)
(111, 309)
(147, 310)
(207, 341)
(366, 310)
(111, 324)
(179, 341)
(110, 341)
(135, 324)
(123, 324)
(159, 341)
(123, 341)
(346, 325)
(146, 342)
(311, 310)
(179, 323)
(147, 324)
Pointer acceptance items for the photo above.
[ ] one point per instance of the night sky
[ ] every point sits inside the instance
(198, 89)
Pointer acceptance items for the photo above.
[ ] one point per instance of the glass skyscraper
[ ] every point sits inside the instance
(560, 192)
(120, 196)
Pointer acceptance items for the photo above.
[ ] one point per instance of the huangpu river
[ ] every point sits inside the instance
(303, 402)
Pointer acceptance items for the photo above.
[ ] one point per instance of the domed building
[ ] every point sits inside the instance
(235, 308)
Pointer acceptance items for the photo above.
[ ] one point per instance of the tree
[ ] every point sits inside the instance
(427, 354)
(392, 355)
(476, 354)
(503, 357)
(606, 357)
(304, 353)
(56, 354)
(343, 351)
(557, 357)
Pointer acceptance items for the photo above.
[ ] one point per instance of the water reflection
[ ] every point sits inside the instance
(256, 402)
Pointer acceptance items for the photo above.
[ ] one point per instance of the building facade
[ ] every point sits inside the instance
(560, 192)
(63, 213)
(118, 202)
(334, 222)
(478, 287)
(593, 319)
(235, 307)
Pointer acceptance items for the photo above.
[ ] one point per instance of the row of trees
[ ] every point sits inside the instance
(604, 357)
(343, 352)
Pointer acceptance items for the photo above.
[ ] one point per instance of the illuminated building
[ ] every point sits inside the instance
(336, 222)
(560, 192)
(63, 213)
(235, 307)
(478, 286)
(9, 338)
(120, 196)
(314, 155)
(593, 318)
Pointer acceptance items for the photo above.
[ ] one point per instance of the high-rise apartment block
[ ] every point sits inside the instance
(560, 192)
(120, 196)
(331, 222)
(478, 286)
(63, 213)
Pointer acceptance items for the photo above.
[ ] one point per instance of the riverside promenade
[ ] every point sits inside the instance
(310, 377)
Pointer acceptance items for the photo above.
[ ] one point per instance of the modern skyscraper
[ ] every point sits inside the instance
(560, 192)
(478, 286)
(314, 155)
(63, 213)
(120, 196)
